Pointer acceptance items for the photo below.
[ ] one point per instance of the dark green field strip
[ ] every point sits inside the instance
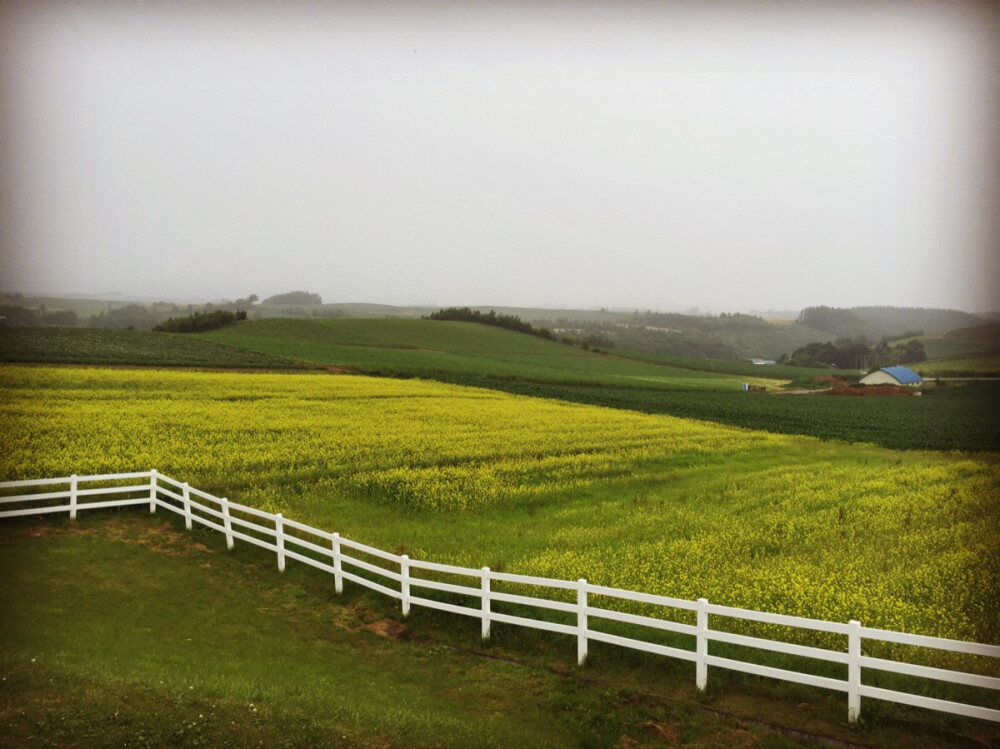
(130, 347)
(947, 418)
(744, 368)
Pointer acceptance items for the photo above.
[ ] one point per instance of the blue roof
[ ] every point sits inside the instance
(905, 375)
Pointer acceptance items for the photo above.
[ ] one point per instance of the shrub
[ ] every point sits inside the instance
(201, 321)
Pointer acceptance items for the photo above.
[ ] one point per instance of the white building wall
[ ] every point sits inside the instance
(883, 378)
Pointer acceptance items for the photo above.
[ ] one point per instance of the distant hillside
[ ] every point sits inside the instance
(983, 335)
(720, 337)
(962, 343)
(467, 351)
(884, 322)
(897, 320)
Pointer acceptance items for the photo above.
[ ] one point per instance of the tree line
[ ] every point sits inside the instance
(200, 321)
(508, 322)
(855, 353)
(151, 315)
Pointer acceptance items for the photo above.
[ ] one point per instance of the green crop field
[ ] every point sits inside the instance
(742, 368)
(426, 348)
(946, 417)
(134, 347)
(963, 343)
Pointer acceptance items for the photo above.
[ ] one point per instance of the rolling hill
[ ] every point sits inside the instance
(444, 349)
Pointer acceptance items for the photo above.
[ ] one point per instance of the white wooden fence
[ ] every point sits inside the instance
(331, 553)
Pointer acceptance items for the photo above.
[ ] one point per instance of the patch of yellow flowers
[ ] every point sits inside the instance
(424, 444)
(681, 508)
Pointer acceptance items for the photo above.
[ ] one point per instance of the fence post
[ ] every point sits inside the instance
(854, 671)
(152, 490)
(338, 577)
(279, 539)
(72, 497)
(485, 594)
(226, 523)
(701, 647)
(186, 492)
(581, 621)
(404, 571)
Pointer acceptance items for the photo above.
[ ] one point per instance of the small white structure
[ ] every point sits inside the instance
(893, 376)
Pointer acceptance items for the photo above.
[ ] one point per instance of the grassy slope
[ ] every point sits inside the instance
(427, 348)
(986, 335)
(982, 366)
(260, 658)
(97, 653)
(137, 347)
(963, 343)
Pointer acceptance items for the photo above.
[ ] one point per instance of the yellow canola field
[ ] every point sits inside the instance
(907, 541)
(424, 444)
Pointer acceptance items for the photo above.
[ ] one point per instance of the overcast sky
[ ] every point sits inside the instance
(751, 155)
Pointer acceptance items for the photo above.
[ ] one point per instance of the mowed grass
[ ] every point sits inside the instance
(905, 541)
(126, 630)
(429, 348)
(131, 347)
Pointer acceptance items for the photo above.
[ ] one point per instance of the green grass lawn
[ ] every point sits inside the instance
(125, 630)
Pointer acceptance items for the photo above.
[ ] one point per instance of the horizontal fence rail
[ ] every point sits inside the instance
(574, 601)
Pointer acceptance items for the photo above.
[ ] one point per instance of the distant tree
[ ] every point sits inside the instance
(294, 298)
(201, 321)
(243, 304)
(509, 322)
(327, 313)
(14, 315)
(829, 319)
(848, 353)
(915, 351)
(131, 316)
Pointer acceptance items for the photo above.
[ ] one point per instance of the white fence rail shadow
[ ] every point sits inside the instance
(331, 553)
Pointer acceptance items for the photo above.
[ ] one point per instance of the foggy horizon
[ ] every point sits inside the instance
(724, 156)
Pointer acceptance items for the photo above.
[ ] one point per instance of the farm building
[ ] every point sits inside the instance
(893, 376)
